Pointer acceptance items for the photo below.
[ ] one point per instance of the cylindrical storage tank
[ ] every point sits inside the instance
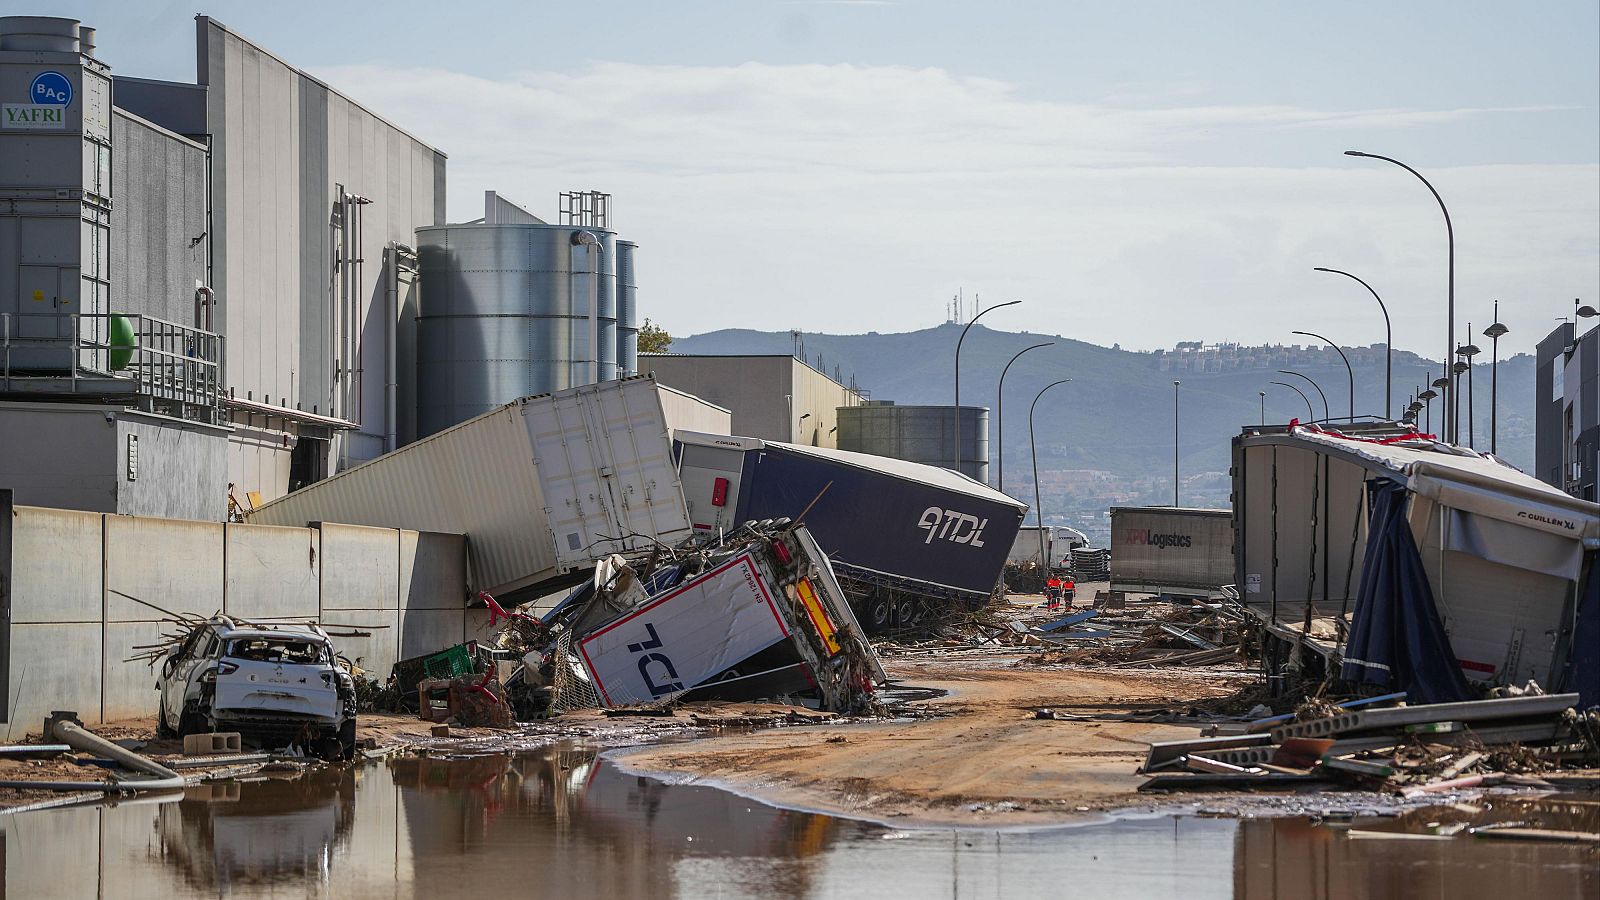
(923, 434)
(627, 311)
(505, 313)
(48, 33)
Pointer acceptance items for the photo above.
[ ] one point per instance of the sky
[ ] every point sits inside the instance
(1137, 173)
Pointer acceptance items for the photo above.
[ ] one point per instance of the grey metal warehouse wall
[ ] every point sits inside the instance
(158, 220)
(281, 142)
(73, 625)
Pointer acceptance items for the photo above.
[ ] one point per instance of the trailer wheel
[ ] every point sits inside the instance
(879, 613)
(908, 613)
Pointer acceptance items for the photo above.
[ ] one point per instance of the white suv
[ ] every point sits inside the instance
(274, 684)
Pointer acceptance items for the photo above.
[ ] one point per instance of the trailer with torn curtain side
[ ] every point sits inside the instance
(541, 487)
(908, 541)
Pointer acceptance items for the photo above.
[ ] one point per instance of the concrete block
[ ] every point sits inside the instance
(212, 743)
(428, 630)
(128, 687)
(174, 564)
(433, 570)
(375, 653)
(360, 567)
(53, 666)
(55, 566)
(272, 573)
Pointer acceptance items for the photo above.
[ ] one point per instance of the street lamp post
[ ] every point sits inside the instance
(1450, 236)
(1263, 409)
(1326, 417)
(1494, 333)
(1311, 414)
(1175, 443)
(1033, 450)
(1347, 368)
(1388, 342)
(1468, 351)
(1000, 415)
(958, 371)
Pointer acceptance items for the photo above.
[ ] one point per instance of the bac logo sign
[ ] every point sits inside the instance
(49, 95)
(50, 89)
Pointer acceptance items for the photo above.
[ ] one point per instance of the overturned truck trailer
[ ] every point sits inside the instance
(541, 487)
(1390, 559)
(906, 539)
(758, 613)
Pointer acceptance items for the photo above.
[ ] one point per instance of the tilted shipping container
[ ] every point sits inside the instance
(540, 487)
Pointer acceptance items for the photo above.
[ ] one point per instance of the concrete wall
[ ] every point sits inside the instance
(74, 575)
(767, 395)
(76, 457)
(158, 225)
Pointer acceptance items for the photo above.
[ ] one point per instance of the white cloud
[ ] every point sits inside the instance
(854, 198)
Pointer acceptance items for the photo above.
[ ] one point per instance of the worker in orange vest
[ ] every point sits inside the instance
(1052, 592)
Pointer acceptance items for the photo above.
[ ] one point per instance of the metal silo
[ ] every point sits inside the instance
(627, 311)
(923, 434)
(511, 310)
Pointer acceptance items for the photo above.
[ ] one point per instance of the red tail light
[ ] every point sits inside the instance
(782, 552)
(719, 492)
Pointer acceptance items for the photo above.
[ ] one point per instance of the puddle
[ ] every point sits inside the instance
(563, 822)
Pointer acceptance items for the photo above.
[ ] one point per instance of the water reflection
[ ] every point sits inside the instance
(562, 823)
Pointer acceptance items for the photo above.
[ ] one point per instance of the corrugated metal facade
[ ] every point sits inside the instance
(282, 144)
(158, 222)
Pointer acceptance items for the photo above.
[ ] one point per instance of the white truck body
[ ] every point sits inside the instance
(1059, 540)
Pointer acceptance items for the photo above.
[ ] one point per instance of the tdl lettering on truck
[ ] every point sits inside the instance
(958, 527)
(1159, 541)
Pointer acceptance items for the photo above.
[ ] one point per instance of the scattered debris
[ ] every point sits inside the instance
(1413, 751)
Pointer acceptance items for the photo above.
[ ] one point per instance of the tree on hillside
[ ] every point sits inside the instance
(653, 338)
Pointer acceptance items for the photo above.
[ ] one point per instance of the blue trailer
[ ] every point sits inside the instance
(906, 539)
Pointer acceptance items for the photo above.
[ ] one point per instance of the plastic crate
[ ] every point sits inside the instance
(462, 659)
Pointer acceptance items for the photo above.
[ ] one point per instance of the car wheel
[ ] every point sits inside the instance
(347, 740)
(163, 730)
(191, 722)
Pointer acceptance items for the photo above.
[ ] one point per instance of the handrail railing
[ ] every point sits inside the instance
(173, 368)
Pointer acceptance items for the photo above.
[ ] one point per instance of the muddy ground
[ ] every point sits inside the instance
(983, 758)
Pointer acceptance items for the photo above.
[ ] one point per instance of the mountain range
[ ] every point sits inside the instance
(1115, 418)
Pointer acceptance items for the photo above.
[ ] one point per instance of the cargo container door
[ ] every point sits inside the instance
(605, 466)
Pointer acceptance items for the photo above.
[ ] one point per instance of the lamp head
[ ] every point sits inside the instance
(1494, 331)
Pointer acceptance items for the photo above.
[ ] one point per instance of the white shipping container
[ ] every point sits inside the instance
(540, 486)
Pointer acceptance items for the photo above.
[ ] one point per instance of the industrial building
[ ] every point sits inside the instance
(1567, 411)
(211, 293)
(751, 386)
(923, 434)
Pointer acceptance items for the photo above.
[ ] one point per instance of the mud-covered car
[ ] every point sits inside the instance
(277, 685)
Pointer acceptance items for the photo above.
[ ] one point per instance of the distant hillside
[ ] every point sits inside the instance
(1116, 415)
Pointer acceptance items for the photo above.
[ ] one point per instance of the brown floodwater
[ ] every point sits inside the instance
(564, 823)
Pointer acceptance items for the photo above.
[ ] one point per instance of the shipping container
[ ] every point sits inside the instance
(901, 534)
(1171, 550)
(541, 486)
